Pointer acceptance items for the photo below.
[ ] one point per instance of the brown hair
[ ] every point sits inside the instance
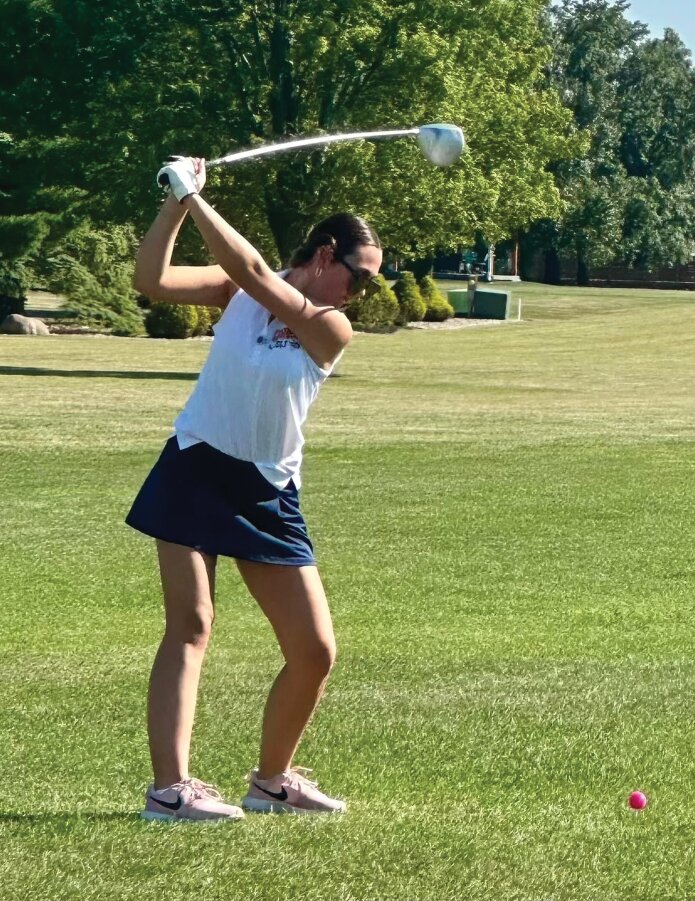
(342, 231)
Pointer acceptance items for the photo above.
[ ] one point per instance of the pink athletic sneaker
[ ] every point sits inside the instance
(189, 799)
(289, 792)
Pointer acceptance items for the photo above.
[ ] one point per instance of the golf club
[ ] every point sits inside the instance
(441, 144)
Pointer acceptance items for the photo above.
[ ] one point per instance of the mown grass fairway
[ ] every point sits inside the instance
(504, 519)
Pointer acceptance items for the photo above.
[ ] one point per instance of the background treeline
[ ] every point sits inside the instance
(581, 131)
(629, 196)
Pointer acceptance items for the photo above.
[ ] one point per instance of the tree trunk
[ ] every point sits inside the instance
(516, 257)
(283, 101)
(527, 259)
(551, 273)
(582, 271)
(422, 267)
(288, 222)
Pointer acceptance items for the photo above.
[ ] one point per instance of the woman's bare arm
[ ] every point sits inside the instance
(155, 277)
(322, 331)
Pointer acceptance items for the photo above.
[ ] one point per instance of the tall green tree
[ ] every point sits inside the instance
(627, 197)
(592, 40)
(136, 79)
(55, 57)
(657, 149)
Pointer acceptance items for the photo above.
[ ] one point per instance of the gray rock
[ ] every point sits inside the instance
(14, 324)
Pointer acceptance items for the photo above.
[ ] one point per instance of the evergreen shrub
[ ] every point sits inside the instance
(207, 317)
(215, 314)
(10, 304)
(437, 307)
(94, 269)
(375, 313)
(21, 238)
(203, 321)
(411, 306)
(171, 320)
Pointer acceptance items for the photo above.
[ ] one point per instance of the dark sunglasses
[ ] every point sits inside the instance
(363, 282)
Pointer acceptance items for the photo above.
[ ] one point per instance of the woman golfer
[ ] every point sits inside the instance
(226, 484)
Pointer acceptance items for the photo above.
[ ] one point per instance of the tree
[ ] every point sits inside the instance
(592, 40)
(627, 196)
(657, 147)
(55, 57)
(134, 80)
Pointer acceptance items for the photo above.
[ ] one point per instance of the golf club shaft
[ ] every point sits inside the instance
(306, 142)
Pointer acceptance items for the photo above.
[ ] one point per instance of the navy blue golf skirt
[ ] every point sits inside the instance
(207, 500)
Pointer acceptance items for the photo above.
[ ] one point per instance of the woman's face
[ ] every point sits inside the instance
(334, 279)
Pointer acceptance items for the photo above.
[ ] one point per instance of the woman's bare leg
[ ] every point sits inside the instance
(293, 599)
(188, 582)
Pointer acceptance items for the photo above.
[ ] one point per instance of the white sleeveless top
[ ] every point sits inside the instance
(253, 393)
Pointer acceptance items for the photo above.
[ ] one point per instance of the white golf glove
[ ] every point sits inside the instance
(181, 175)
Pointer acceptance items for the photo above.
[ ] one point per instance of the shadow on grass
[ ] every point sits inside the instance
(98, 374)
(67, 819)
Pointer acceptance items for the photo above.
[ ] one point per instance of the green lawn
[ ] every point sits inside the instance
(503, 517)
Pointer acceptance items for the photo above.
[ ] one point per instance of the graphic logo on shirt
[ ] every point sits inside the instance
(283, 337)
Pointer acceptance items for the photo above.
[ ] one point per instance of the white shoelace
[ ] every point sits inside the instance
(200, 789)
(295, 777)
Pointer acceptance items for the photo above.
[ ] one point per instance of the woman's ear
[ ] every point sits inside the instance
(324, 256)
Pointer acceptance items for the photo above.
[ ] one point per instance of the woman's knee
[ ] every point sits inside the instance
(191, 626)
(315, 659)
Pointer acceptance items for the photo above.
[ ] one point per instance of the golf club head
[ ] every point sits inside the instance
(441, 144)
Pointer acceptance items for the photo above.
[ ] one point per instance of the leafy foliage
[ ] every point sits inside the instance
(94, 269)
(203, 323)
(206, 318)
(627, 193)
(21, 238)
(9, 305)
(172, 320)
(411, 306)
(83, 80)
(437, 307)
(374, 313)
(657, 146)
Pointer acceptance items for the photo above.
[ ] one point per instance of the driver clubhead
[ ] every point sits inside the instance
(441, 144)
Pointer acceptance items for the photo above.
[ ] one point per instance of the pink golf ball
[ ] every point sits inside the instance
(637, 801)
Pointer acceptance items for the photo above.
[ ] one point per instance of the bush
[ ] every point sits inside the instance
(171, 320)
(203, 321)
(437, 306)
(9, 305)
(410, 303)
(215, 314)
(376, 312)
(206, 318)
(94, 269)
(21, 239)
(12, 283)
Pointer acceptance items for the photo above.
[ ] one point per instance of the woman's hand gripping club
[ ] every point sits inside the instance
(181, 176)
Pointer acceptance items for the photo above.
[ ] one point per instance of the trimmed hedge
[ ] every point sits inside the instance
(171, 320)
(203, 324)
(437, 306)
(411, 305)
(179, 320)
(375, 313)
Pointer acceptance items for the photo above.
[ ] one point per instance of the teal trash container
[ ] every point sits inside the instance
(461, 302)
(491, 305)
